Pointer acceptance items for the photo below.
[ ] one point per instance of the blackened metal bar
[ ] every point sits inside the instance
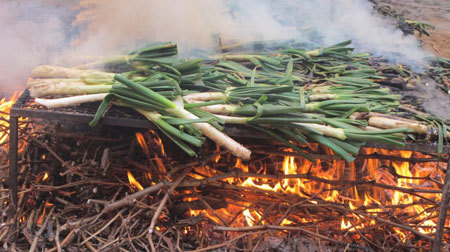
(437, 242)
(13, 142)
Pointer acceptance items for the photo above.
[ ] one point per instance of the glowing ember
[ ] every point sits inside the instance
(48, 204)
(45, 176)
(286, 222)
(134, 183)
(347, 225)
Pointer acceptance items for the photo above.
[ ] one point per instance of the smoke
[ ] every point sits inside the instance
(338, 20)
(433, 100)
(32, 32)
(50, 31)
(194, 24)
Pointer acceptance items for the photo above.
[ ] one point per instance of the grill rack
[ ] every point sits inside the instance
(125, 117)
(82, 114)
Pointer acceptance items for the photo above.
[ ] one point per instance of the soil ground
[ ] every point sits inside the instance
(433, 12)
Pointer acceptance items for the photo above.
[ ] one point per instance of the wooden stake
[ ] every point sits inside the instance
(437, 242)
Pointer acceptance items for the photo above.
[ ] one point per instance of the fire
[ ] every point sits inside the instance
(406, 174)
(294, 186)
(206, 213)
(40, 220)
(158, 141)
(45, 176)
(218, 156)
(48, 204)
(134, 183)
(155, 143)
(347, 225)
(141, 141)
(251, 217)
(375, 201)
(5, 107)
(286, 222)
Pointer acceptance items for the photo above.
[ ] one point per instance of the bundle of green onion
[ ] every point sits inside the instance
(293, 95)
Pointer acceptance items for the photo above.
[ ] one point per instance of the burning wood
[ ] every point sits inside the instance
(373, 203)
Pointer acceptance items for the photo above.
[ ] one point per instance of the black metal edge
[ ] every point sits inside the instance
(426, 148)
(80, 118)
(73, 117)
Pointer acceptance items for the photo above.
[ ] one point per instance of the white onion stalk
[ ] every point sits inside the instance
(326, 130)
(47, 71)
(390, 123)
(34, 82)
(322, 97)
(69, 101)
(206, 96)
(67, 89)
(85, 81)
(212, 133)
(220, 108)
(234, 119)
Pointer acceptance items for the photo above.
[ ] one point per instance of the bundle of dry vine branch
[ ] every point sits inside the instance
(82, 198)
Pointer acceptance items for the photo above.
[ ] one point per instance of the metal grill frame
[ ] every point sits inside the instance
(124, 117)
(83, 114)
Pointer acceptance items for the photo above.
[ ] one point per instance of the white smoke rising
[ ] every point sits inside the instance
(192, 24)
(31, 33)
(42, 31)
(338, 20)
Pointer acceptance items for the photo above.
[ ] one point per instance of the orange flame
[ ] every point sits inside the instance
(158, 142)
(218, 156)
(141, 140)
(5, 107)
(373, 200)
(251, 217)
(40, 220)
(45, 176)
(48, 204)
(134, 183)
